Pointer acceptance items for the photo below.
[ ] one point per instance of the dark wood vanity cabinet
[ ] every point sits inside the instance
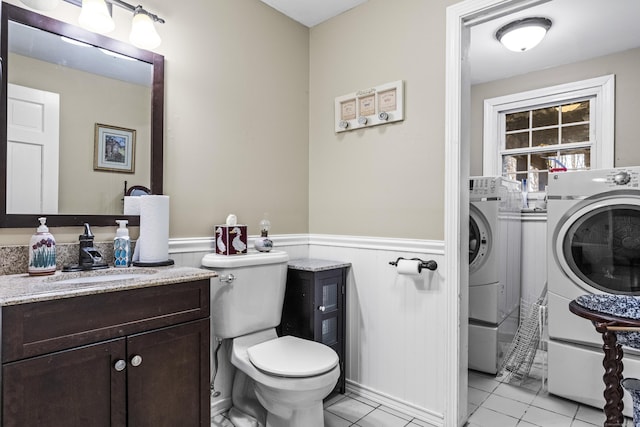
(314, 307)
(128, 358)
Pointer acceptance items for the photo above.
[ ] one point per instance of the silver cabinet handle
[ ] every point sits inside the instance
(136, 360)
(227, 278)
(322, 308)
(120, 365)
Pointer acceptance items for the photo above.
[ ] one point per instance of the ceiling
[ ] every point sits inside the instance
(582, 29)
(312, 12)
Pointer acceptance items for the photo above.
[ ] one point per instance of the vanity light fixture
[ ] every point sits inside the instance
(143, 32)
(42, 4)
(524, 34)
(95, 16)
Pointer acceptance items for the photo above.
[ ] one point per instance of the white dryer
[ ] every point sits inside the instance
(594, 247)
(494, 269)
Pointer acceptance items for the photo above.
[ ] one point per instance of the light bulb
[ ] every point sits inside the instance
(143, 32)
(95, 16)
(41, 4)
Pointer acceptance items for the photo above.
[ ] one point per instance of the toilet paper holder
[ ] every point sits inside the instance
(430, 265)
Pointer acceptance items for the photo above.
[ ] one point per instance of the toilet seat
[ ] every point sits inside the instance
(292, 357)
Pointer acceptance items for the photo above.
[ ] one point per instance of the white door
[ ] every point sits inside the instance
(33, 125)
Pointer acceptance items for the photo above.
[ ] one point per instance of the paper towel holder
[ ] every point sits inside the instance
(430, 265)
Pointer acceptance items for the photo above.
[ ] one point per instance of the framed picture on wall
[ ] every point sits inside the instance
(115, 149)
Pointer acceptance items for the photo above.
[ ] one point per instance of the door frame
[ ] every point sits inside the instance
(459, 18)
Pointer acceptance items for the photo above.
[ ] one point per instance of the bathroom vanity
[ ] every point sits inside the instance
(113, 349)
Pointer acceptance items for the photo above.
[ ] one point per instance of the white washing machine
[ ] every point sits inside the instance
(593, 235)
(494, 269)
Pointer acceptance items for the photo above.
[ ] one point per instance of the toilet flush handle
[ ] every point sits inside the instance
(227, 278)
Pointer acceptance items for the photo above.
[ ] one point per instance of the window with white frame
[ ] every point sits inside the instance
(565, 127)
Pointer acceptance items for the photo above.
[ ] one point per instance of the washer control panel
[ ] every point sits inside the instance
(483, 186)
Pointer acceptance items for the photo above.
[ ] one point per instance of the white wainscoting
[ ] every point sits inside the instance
(395, 324)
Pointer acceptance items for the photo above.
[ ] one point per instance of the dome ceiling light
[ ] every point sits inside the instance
(524, 34)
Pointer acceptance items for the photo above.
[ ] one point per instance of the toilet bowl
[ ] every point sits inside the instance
(290, 378)
(278, 381)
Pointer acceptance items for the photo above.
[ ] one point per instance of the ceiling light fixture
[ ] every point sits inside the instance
(96, 16)
(523, 34)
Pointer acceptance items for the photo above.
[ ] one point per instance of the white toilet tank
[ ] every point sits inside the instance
(248, 294)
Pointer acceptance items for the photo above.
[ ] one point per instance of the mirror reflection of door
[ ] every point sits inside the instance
(32, 150)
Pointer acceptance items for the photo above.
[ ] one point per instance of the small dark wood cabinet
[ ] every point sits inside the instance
(314, 305)
(126, 358)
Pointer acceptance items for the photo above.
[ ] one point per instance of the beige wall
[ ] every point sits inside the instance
(236, 116)
(626, 67)
(386, 180)
(83, 190)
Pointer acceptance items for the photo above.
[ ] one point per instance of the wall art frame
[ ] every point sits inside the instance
(378, 105)
(114, 149)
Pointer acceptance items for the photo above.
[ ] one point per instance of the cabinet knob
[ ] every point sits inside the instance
(120, 365)
(136, 360)
(322, 308)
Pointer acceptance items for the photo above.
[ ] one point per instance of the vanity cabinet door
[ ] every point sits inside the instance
(72, 388)
(168, 376)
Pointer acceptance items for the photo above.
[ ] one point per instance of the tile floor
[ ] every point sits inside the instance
(496, 404)
(491, 404)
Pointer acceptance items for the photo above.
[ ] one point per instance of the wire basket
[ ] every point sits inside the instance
(522, 351)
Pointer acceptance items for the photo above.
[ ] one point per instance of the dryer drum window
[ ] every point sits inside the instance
(474, 240)
(602, 248)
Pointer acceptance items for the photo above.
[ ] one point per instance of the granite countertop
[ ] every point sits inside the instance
(314, 264)
(22, 288)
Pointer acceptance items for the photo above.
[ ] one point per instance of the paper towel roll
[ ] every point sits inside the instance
(132, 205)
(409, 267)
(154, 228)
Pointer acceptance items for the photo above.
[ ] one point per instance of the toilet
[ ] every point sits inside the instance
(279, 381)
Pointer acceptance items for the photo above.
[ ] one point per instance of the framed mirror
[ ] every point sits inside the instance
(81, 122)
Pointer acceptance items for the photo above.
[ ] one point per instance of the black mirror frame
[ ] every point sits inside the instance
(26, 17)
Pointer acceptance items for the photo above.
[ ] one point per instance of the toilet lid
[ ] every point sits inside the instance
(292, 357)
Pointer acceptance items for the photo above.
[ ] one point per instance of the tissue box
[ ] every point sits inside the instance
(231, 239)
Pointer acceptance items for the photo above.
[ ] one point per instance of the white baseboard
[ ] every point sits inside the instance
(432, 418)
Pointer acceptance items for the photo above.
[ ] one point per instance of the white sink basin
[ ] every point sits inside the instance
(100, 276)
(96, 279)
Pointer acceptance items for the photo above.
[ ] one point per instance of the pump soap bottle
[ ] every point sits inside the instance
(122, 245)
(42, 251)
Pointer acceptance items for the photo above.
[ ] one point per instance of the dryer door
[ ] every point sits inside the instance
(479, 239)
(598, 246)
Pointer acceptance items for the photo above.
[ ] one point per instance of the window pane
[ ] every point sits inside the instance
(540, 161)
(576, 159)
(576, 112)
(545, 117)
(517, 121)
(517, 140)
(578, 133)
(544, 137)
(538, 180)
(511, 164)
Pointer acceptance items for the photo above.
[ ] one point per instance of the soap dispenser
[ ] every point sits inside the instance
(42, 251)
(122, 245)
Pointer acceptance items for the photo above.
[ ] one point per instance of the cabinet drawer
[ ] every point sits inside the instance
(42, 327)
